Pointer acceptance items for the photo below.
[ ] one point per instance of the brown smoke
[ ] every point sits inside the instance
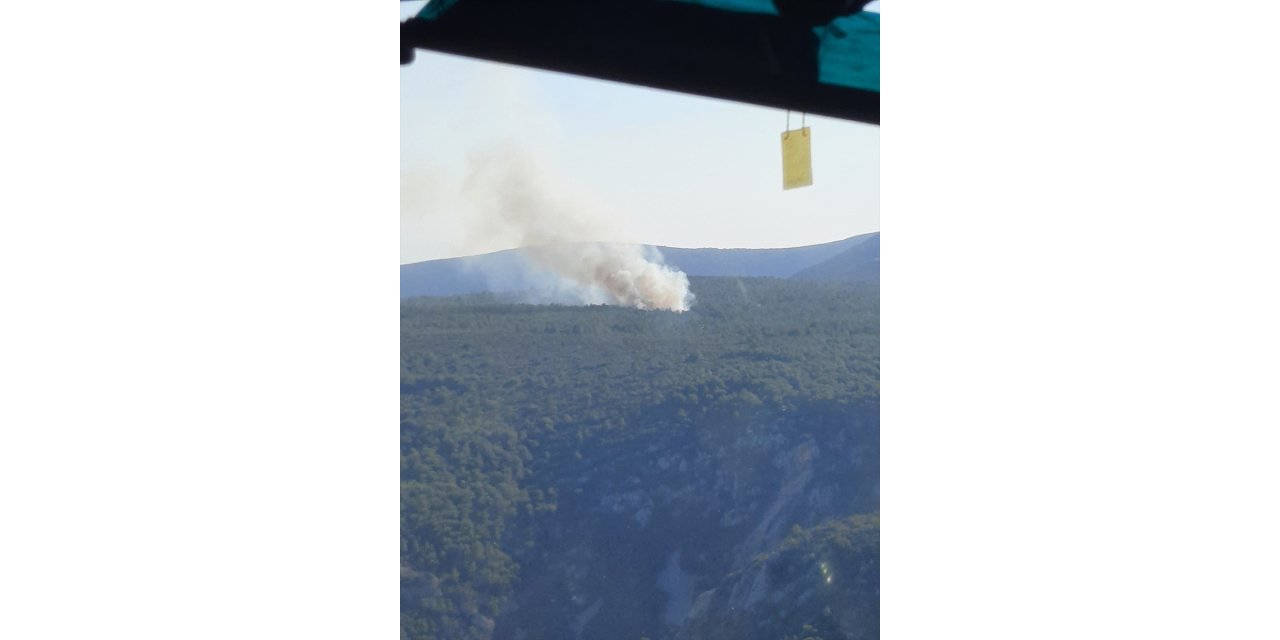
(518, 204)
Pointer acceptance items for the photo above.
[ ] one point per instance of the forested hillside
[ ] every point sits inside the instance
(605, 472)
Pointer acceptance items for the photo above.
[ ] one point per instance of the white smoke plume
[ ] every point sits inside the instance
(516, 203)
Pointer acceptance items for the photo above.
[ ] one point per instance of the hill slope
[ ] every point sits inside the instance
(746, 263)
(510, 270)
(860, 262)
(603, 472)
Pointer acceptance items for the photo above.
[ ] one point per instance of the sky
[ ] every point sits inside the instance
(648, 166)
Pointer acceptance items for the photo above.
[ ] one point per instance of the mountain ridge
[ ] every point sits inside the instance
(510, 270)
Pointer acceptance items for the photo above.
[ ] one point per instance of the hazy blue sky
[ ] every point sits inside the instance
(651, 166)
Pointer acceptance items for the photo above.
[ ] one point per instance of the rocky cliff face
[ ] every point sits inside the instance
(600, 472)
(691, 539)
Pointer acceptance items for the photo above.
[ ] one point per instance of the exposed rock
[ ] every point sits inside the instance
(678, 586)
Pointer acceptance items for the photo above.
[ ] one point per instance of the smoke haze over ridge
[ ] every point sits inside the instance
(512, 201)
(659, 168)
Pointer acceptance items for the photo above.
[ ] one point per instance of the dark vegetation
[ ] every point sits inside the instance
(553, 458)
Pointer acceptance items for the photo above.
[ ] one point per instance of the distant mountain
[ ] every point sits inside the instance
(860, 262)
(856, 258)
(746, 263)
(497, 272)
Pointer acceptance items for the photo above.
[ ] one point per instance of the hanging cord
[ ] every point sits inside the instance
(787, 133)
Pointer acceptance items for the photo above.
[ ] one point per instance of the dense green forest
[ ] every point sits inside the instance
(585, 472)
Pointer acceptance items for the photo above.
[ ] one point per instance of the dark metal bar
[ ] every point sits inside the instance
(752, 58)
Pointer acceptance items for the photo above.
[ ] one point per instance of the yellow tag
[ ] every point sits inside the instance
(797, 170)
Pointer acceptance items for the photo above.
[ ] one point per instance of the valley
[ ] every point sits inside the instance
(605, 472)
